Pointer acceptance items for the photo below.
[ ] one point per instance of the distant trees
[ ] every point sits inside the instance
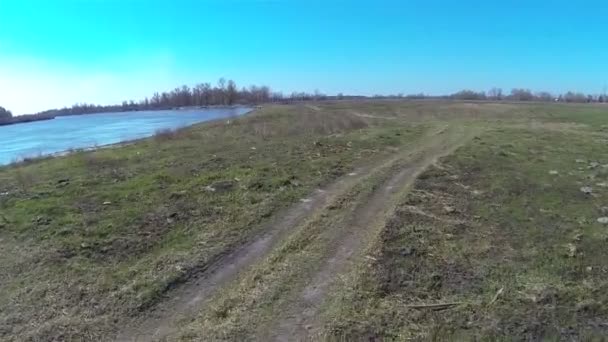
(469, 95)
(226, 92)
(419, 96)
(544, 96)
(5, 113)
(495, 94)
(7, 118)
(521, 95)
(203, 94)
(575, 97)
(231, 93)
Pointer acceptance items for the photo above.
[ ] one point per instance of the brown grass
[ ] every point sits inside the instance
(165, 134)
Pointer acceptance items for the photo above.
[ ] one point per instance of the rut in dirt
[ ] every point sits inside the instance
(189, 298)
(186, 300)
(299, 321)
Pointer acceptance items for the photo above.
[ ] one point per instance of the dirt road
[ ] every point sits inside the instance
(296, 314)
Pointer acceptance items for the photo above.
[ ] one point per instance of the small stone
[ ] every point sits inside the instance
(593, 165)
(571, 250)
(602, 185)
(107, 203)
(553, 172)
(587, 190)
(589, 268)
(352, 174)
(41, 220)
(209, 188)
(222, 186)
(178, 194)
(449, 209)
(407, 251)
(305, 200)
(603, 220)
(580, 161)
(253, 148)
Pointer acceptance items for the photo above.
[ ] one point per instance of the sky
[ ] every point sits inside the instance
(55, 53)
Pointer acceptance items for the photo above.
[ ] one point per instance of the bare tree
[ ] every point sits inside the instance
(495, 94)
(469, 95)
(544, 96)
(231, 93)
(203, 94)
(575, 97)
(521, 95)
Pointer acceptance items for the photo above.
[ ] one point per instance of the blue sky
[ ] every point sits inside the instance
(67, 51)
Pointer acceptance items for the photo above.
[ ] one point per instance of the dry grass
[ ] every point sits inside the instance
(114, 229)
(304, 121)
(81, 256)
(24, 179)
(165, 134)
(518, 249)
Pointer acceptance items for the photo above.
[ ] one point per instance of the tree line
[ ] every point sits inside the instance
(520, 94)
(225, 93)
(5, 113)
(7, 118)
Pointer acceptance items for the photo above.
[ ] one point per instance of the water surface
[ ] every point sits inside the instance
(84, 131)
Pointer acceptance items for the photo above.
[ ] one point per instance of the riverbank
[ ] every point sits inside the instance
(158, 135)
(24, 119)
(68, 133)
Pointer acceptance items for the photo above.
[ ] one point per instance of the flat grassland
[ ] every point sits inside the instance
(376, 220)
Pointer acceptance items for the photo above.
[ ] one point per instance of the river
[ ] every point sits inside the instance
(85, 131)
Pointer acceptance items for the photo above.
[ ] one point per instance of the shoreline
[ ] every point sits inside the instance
(12, 121)
(32, 159)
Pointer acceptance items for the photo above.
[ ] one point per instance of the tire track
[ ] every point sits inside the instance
(189, 298)
(299, 322)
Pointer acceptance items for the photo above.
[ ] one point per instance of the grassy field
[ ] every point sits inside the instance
(495, 242)
(460, 220)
